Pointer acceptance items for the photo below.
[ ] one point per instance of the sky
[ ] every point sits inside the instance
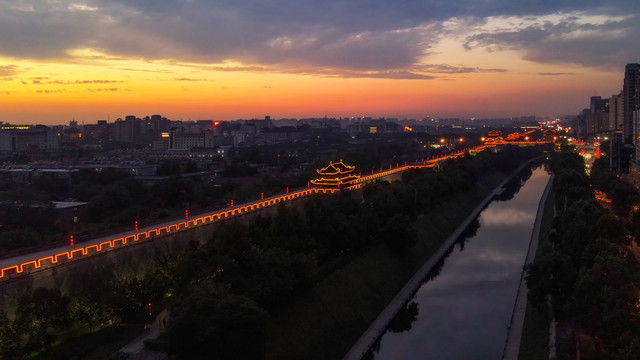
(231, 59)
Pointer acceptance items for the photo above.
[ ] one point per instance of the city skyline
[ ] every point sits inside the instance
(193, 60)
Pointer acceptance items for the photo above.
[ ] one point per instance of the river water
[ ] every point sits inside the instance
(463, 309)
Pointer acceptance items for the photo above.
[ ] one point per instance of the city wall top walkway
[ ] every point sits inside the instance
(21, 265)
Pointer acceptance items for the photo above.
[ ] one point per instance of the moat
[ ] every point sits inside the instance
(463, 309)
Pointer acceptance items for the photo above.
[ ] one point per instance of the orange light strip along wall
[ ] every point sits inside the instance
(66, 256)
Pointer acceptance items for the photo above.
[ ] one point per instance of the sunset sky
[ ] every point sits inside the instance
(231, 59)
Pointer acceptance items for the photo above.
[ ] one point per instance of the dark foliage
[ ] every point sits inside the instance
(587, 270)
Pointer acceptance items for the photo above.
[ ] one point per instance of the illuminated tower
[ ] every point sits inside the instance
(335, 175)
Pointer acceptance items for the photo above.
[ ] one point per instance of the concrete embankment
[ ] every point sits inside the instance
(514, 335)
(377, 328)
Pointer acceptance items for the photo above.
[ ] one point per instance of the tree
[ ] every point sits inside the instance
(168, 167)
(211, 323)
(9, 339)
(38, 315)
(404, 318)
(88, 288)
(398, 232)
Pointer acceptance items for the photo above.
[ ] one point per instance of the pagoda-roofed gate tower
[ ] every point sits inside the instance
(494, 137)
(336, 175)
(550, 135)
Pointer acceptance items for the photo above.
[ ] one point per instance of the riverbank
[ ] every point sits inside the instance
(514, 335)
(327, 319)
(534, 344)
(377, 328)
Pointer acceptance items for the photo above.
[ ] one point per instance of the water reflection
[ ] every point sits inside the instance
(462, 310)
(514, 185)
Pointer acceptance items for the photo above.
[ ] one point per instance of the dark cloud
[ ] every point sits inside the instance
(555, 74)
(50, 91)
(453, 69)
(610, 44)
(191, 79)
(334, 73)
(144, 70)
(8, 70)
(390, 74)
(103, 90)
(76, 82)
(347, 35)
(94, 82)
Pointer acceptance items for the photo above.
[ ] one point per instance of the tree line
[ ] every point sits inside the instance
(247, 273)
(222, 293)
(586, 271)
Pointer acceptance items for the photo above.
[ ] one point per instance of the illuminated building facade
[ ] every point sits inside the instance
(335, 175)
(494, 137)
(28, 137)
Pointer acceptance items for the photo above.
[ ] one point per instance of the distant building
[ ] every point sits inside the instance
(159, 125)
(597, 120)
(636, 133)
(616, 111)
(631, 96)
(28, 138)
(184, 141)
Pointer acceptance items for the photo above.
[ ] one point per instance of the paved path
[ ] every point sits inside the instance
(514, 336)
(135, 350)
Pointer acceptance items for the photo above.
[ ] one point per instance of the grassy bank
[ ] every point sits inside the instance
(326, 321)
(535, 333)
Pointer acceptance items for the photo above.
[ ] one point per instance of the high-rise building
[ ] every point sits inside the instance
(636, 133)
(597, 120)
(616, 119)
(159, 125)
(631, 96)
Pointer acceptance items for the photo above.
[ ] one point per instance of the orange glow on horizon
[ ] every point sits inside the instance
(90, 90)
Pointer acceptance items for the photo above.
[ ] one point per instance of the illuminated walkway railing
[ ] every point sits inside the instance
(48, 258)
(59, 256)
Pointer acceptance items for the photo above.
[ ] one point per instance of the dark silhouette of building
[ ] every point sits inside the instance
(631, 97)
(597, 120)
